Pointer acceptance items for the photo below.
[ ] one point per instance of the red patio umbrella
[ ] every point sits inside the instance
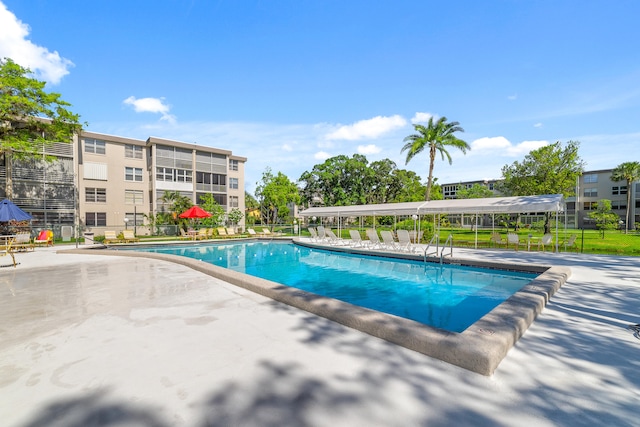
(195, 212)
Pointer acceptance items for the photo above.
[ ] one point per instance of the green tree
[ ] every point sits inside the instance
(30, 118)
(175, 203)
(551, 169)
(476, 191)
(629, 172)
(339, 181)
(235, 215)
(406, 186)
(251, 205)
(604, 217)
(436, 137)
(274, 193)
(209, 204)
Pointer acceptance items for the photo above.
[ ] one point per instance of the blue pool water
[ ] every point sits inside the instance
(447, 297)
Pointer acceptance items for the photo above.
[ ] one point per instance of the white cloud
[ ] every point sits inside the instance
(14, 44)
(422, 117)
(369, 149)
(502, 146)
(151, 105)
(287, 147)
(512, 97)
(370, 128)
(322, 155)
(525, 147)
(488, 143)
(537, 125)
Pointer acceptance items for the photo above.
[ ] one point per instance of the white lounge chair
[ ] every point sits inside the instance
(404, 241)
(322, 236)
(251, 232)
(332, 238)
(356, 239)
(374, 239)
(388, 242)
(314, 234)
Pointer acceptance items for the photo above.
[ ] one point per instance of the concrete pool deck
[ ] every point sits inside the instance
(107, 340)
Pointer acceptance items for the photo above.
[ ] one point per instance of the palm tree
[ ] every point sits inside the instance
(630, 172)
(436, 136)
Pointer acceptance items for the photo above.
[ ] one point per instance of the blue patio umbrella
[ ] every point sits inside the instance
(10, 212)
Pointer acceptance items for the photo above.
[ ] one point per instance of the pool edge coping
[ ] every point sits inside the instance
(480, 348)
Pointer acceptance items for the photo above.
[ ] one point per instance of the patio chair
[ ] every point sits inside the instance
(322, 236)
(23, 242)
(110, 237)
(314, 234)
(374, 239)
(267, 232)
(404, 241)
(129, 237)
(356, 239)
(7, 249)
(388, 242)
(513, 239)
(252, 232)
(496, 240)
(332, 238)
(231, 232)
(570, 243)
(547, 240)
(44, 238)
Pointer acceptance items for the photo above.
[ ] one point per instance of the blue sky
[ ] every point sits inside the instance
(290, 83)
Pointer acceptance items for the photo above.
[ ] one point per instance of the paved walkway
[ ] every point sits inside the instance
(90, 340)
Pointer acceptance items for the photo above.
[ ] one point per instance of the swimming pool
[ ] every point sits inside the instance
(450, 297)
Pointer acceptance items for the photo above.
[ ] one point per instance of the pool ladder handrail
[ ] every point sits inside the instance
(426, 249)
(449, 242)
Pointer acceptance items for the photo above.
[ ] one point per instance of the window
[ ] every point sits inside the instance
(619, 204)
(619, 190)
(133, 174)
(591, 178)
(174, 175)
(449, 190)
(133, 151)
(95, 219)
(183, 175)
(233, 165)
(590, 206)
(133, 197)
(233, 183)
(94, 146)
(164, 174)
(95, 195)
(210, 178)
(590, 192)
(233, 201)
(134, 218)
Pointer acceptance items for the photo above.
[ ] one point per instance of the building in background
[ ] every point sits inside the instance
(591, 187)
(102, 181)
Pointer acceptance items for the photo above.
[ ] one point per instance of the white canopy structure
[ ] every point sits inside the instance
(492, 205)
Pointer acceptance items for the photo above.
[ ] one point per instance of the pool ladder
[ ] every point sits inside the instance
(436, 239)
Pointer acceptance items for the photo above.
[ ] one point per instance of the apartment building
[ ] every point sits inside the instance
(596, 185)
(102, 181)
(591, 187)
(46, 190)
